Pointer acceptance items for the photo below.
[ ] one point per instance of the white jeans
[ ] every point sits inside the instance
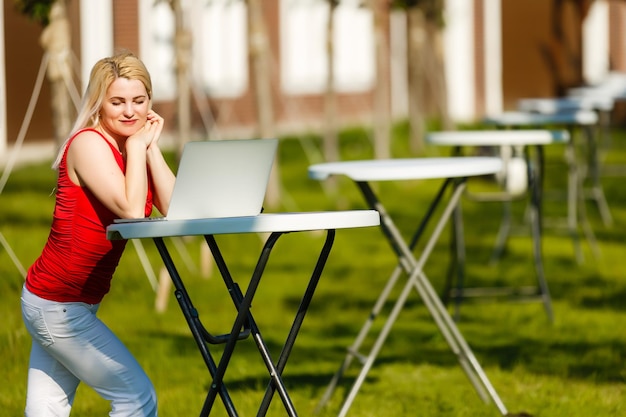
(70, 344)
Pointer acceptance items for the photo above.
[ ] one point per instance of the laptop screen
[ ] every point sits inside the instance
(225, 178)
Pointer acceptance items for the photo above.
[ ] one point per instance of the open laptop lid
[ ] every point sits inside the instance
(225, 178)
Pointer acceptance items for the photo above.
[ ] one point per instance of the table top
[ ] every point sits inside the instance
(263, 223)
(520, 118)
(615, 93)
(408, 169)
(554, 105)
(612, 85)
(498, 137)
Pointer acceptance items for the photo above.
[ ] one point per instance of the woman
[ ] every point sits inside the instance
(110, 167)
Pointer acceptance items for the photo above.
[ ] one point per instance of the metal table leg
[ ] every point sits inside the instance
(354, 350)
(534, 175)
(244, 324)
(417, 280)
(193, 320)
(534, 179)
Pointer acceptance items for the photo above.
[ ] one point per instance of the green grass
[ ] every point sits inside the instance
(572, 367)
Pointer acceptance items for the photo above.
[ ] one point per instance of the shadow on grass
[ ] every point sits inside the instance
(416, 340)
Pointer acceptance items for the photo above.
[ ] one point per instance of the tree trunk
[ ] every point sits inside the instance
(382, 116)
(182, 46)
(415, 47)
(433, 60)
(330, 140)
(331, 145)
(437, 72)
(56, 41)
(258, 45)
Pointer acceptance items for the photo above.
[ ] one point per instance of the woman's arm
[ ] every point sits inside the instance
(162, 178)
(91, 164)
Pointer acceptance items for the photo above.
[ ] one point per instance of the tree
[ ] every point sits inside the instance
(259, 58)
(37, 10)
(382, 105)
(564, 54)
(330, 138)
(425, 65)
(416, 38)
(182, 48)
(56, 42)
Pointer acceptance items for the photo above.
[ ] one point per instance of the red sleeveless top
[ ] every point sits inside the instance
(78, 261)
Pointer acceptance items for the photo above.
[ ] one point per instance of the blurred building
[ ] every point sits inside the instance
(496, 51)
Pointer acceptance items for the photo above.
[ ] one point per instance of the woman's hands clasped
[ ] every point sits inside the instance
(150, 133)
(154, 125)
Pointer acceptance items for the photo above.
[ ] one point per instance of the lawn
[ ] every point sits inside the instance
(575, 366)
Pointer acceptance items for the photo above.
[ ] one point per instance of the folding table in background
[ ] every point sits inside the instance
(514, 146)
(576, 218)
(595, 133)
(613, 88)
(453, 172)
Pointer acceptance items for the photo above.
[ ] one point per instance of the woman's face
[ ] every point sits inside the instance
(125, 107)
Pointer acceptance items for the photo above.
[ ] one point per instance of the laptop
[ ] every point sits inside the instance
(220, 178)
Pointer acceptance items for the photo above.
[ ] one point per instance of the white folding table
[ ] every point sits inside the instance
(610, 90)
(552, 105)
(454, 172)
(244, 324)
(576, 211)
(601, 105)
(521, 139)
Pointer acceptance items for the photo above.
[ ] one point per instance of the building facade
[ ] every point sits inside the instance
(496, 51)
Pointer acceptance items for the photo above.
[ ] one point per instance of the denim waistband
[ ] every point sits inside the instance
(36, 300)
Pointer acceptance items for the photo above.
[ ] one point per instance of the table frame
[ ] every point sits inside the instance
(601, 105)
(522, 142)
(417, 280)
(535, 190)
(244, 325)
(244, 320)
(584, 121)
(602, 94)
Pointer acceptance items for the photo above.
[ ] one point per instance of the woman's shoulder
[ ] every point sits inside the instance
(89, 143)
(89, 137)
(87, 132)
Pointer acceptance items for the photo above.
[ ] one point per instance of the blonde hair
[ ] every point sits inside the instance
(103, 74)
